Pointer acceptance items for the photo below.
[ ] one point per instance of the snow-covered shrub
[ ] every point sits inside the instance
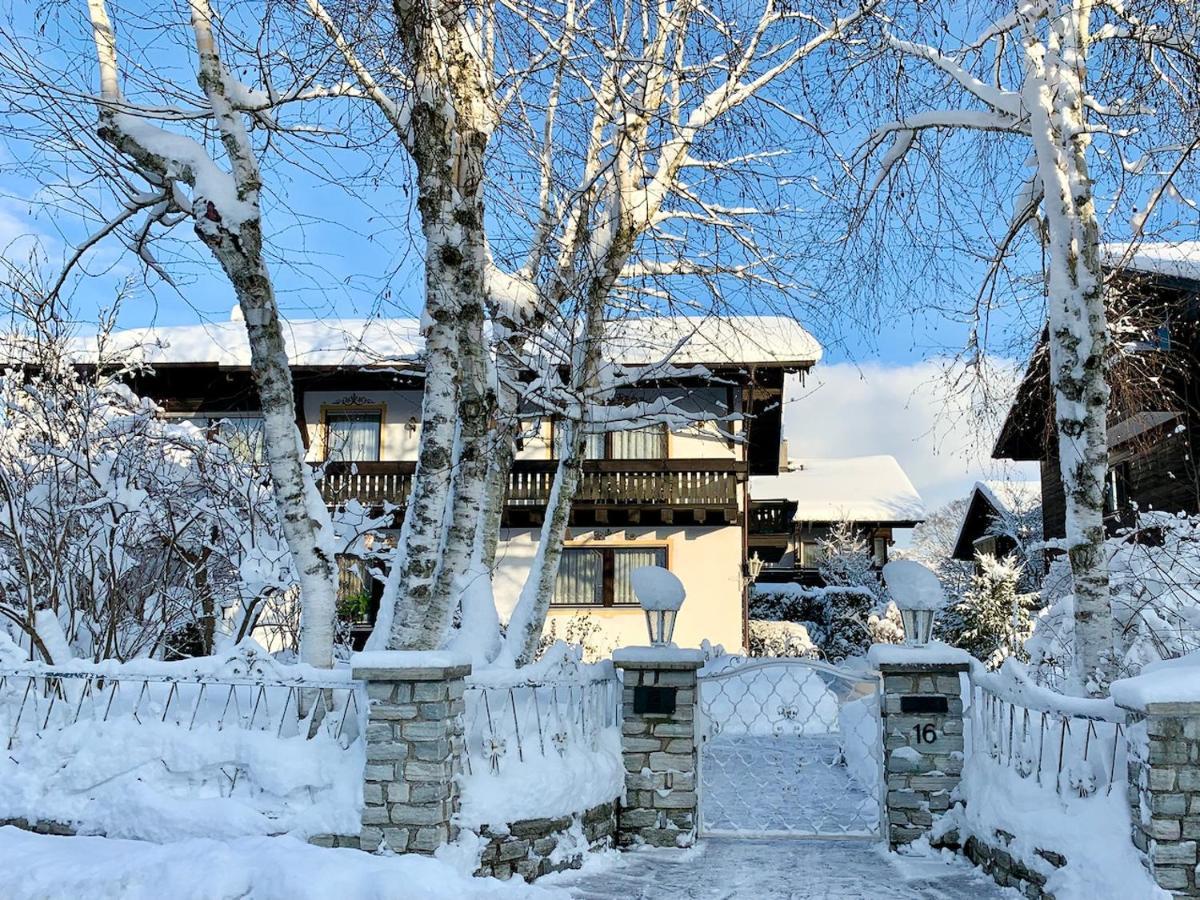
(768, 638)
(996, 616)
(1155, 576)
(841, 622)
(886, 627)
(124, 533)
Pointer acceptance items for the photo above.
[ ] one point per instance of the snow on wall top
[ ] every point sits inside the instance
(854, 489)
(685, 340)
(1176, 259)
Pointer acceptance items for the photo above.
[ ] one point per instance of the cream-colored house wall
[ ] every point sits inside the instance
(401, 430)
(707, 560)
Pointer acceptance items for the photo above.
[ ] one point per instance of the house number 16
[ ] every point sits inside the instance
(926, 734)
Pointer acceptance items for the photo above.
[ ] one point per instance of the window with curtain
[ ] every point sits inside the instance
(593, 443)
(625, 560)
(352, 436)
(590, 576)
(580, 578)
(639, 443)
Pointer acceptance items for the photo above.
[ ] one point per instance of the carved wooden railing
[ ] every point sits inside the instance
(687, 483)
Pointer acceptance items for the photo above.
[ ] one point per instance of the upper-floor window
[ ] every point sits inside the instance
(636, 443)
(1116, 489)
(599, 576)
(241, 432)
(812, 554)
(353, 435)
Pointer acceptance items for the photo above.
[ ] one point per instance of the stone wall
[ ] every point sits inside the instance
(1164, 797)
(1006, 869)
(534, 847)
(923, 751)
(659, 751)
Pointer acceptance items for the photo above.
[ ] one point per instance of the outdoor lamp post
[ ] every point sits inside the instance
(660, 595)
(918, 595)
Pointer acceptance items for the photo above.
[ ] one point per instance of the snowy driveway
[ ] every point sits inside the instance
(720, 869)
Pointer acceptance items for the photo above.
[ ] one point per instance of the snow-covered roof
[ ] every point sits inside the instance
(1012, 497)
(853, 489)
(685, 340)
(1177, 259)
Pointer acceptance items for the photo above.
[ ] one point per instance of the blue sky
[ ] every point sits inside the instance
(341, 244)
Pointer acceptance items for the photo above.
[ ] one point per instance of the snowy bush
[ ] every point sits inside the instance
(1155, 576)
(125, 534)
(845, 616)
(768, 638)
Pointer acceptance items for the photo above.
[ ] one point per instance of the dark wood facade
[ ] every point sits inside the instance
(1154, 420)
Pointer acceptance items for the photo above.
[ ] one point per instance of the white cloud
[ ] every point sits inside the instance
(941, 434)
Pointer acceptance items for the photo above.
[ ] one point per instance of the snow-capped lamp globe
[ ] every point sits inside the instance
(660, 594)
(918, 595)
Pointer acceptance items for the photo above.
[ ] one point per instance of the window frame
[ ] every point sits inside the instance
(350, 409)
(608, 583)
(608, 444)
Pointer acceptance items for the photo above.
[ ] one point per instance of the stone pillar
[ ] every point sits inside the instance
(658, 742)
(414, 748)
(922, 713)
(1164, 789)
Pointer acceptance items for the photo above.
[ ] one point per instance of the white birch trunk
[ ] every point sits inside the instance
(447, 140)
(1053, 94)
(229, 223)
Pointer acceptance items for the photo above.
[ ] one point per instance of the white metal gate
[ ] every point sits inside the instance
(789, 747)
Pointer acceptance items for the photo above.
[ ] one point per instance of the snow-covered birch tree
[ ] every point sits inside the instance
(610, 107)
(1044, 77)
(440, 109)
(155, 156)
(633, 215)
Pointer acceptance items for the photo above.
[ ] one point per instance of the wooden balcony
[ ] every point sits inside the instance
(772, 518)
(642, 491)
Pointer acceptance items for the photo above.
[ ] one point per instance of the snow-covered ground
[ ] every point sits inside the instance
(261, 868)
(251, 868)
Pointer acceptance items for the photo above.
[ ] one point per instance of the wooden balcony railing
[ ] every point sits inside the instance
(772, 518)
(370, 483)
(685, 483)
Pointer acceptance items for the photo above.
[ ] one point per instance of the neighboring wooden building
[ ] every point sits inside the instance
(670, 496)
(1154, 426)
(794, 511)
(994, 510)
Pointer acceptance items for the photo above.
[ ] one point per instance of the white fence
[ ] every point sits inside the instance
(507, 724)
(1071, 745)
(127, 751)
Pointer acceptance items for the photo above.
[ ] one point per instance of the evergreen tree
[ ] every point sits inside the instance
(995, 615)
